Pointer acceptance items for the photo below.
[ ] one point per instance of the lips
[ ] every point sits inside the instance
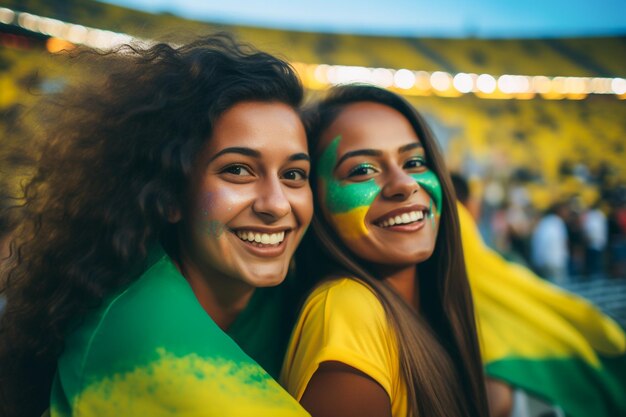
(403, 216)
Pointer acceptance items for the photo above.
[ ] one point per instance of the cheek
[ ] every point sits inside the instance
(350, 224)
(345, 198)
(430, 183)
(215, 209)
(345, 207)
(301, 201)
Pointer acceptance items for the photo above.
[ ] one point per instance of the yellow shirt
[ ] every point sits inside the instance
(343, 321)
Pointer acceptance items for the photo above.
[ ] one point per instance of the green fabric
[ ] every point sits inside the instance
(152, 350)
(590, 392)
(263, 329)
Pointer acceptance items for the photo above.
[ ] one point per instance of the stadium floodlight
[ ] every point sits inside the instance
(486, 83)
(541, 84)
(404, 79)
(441, 81)
(382, 77)
(6, 15)
(65, 35)
(618, 85)
(464, 83)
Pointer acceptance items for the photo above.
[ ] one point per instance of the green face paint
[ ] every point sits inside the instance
(432, 214)
(214, 228)
(430, 183)
(342, 198)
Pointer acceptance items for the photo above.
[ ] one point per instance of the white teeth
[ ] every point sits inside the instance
(262, 238)
(404, 218)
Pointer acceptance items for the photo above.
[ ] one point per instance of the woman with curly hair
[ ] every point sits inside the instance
(162, 200)
(389, 329)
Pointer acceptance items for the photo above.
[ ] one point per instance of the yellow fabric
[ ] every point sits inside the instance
(520, 315)
(342, 320)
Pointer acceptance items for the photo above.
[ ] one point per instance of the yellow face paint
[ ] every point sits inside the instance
(351, 225)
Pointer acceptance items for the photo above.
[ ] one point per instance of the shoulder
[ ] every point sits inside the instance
(157, 306)
(341, 321)
(152, 348)
(347, 297)
(154, 316)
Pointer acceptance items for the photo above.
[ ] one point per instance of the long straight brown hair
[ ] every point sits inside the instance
(438, 347)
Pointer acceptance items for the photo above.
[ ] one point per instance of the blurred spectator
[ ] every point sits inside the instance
(617, 238)
(595, 230)
(575, 237)
(549, 249)
(494, 216)
(518, 224)
(500, 230)
(464, 195)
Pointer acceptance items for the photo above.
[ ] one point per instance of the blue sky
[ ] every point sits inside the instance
(445, 18)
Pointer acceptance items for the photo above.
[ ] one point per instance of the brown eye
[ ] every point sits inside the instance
(360, 170)
(239, 170)
(295, 175)
(415, 163)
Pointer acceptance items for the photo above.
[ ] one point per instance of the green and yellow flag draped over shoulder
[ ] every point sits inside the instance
(542, 339)
(151, 350)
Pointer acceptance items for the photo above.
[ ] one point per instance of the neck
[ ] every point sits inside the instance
(403, 280)
(222, 297)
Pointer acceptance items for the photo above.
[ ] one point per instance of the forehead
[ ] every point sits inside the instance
(369, 125)
(265, 126)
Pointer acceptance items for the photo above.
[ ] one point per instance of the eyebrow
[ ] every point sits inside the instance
(358, 152)
(300, 157)
(256, 154)
(409, 147)
(238, 150)
(374, 152)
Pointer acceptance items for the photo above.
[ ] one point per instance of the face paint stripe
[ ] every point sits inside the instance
(351, 224)
(343, 198)
(432, 214)
(430, 183)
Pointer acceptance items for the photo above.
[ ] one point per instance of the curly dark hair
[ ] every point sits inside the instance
(115, 161)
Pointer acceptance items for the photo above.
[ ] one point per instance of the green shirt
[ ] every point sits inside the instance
(152, 350)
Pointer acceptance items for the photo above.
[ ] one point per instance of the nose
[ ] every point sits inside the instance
(399, 185)
(271, 202)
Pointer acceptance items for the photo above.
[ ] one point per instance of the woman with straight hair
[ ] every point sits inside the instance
(162, 201)
(389, 328)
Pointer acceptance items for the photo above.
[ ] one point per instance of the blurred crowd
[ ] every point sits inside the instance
(570, 239)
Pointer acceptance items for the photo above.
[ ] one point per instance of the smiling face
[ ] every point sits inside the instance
(249, 201)
(375, 187)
